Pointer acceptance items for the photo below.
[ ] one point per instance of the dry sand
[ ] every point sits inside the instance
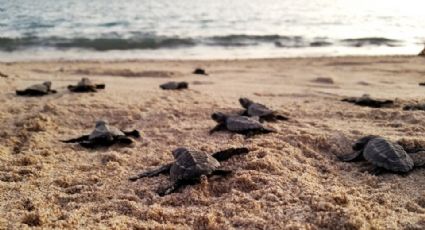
(290, 180)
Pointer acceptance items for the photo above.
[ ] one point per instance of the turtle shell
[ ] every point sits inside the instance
(39, 87)
(191, 165)
(170, 85)
(103, 130)
(241, 123)
(259, 110)
(386, 154)
(85, 82)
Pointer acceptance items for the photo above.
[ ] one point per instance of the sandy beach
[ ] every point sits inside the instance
(291, 179)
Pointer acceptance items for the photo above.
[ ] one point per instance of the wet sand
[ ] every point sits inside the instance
(291, 179)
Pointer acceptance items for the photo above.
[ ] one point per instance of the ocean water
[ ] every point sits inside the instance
(189, 29)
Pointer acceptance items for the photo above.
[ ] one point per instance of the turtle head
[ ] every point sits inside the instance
(100, 123)
(84, 79)
(245, 102)
(361, 143)
(364, 97)
(183, 85)
(178, 152)
(219, 117)
(48, 84)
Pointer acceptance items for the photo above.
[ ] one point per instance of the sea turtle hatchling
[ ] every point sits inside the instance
(238, 124)
(253, 109)
(85, 85)
(414, 107)
(385, 155)
(37, 90)
(104, 135)
(199, 71)
(366, 100)
(189, 166)
(173, 85)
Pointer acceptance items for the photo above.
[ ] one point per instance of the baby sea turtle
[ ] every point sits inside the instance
(414, 107)
(85, 85)
(189, 166)
(366, 100)
(37, 90)
(385, 155)
(259, 110)
(174, 85)
(238, 124)
(200, 71)
(104, 135)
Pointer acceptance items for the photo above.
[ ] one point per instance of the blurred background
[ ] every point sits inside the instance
(205, 29)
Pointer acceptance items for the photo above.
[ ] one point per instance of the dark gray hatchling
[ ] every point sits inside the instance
(200, 71)
(104, 135)
(189, 166)
(366, 100)
(414, 107)
(385, 155)
(173, 85)
(37, 90)
(261, 111)
(85, 86)
(238, 124)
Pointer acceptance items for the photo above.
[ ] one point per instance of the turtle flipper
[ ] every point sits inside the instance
(161, 170)
(100, 86)
(102, 142)
(351, 157)
(78, 139)
(376, 171)
(370, 102)
(228, 153)
(170, 189)
(221, 172)
(90, 144)
(123, 140)
(418, 158)
(387, 102)
(349, 99)
(219, 127)
(280, 117)
(134, 133)
(273, 118)
(29, 92)
(253, 132)
(21, 92)
(75, 88)
(377, 103)
(266, 130)
(245, 113)
(52, 91)
(71, 88)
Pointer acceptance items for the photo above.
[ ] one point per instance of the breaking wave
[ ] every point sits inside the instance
(159, 42)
